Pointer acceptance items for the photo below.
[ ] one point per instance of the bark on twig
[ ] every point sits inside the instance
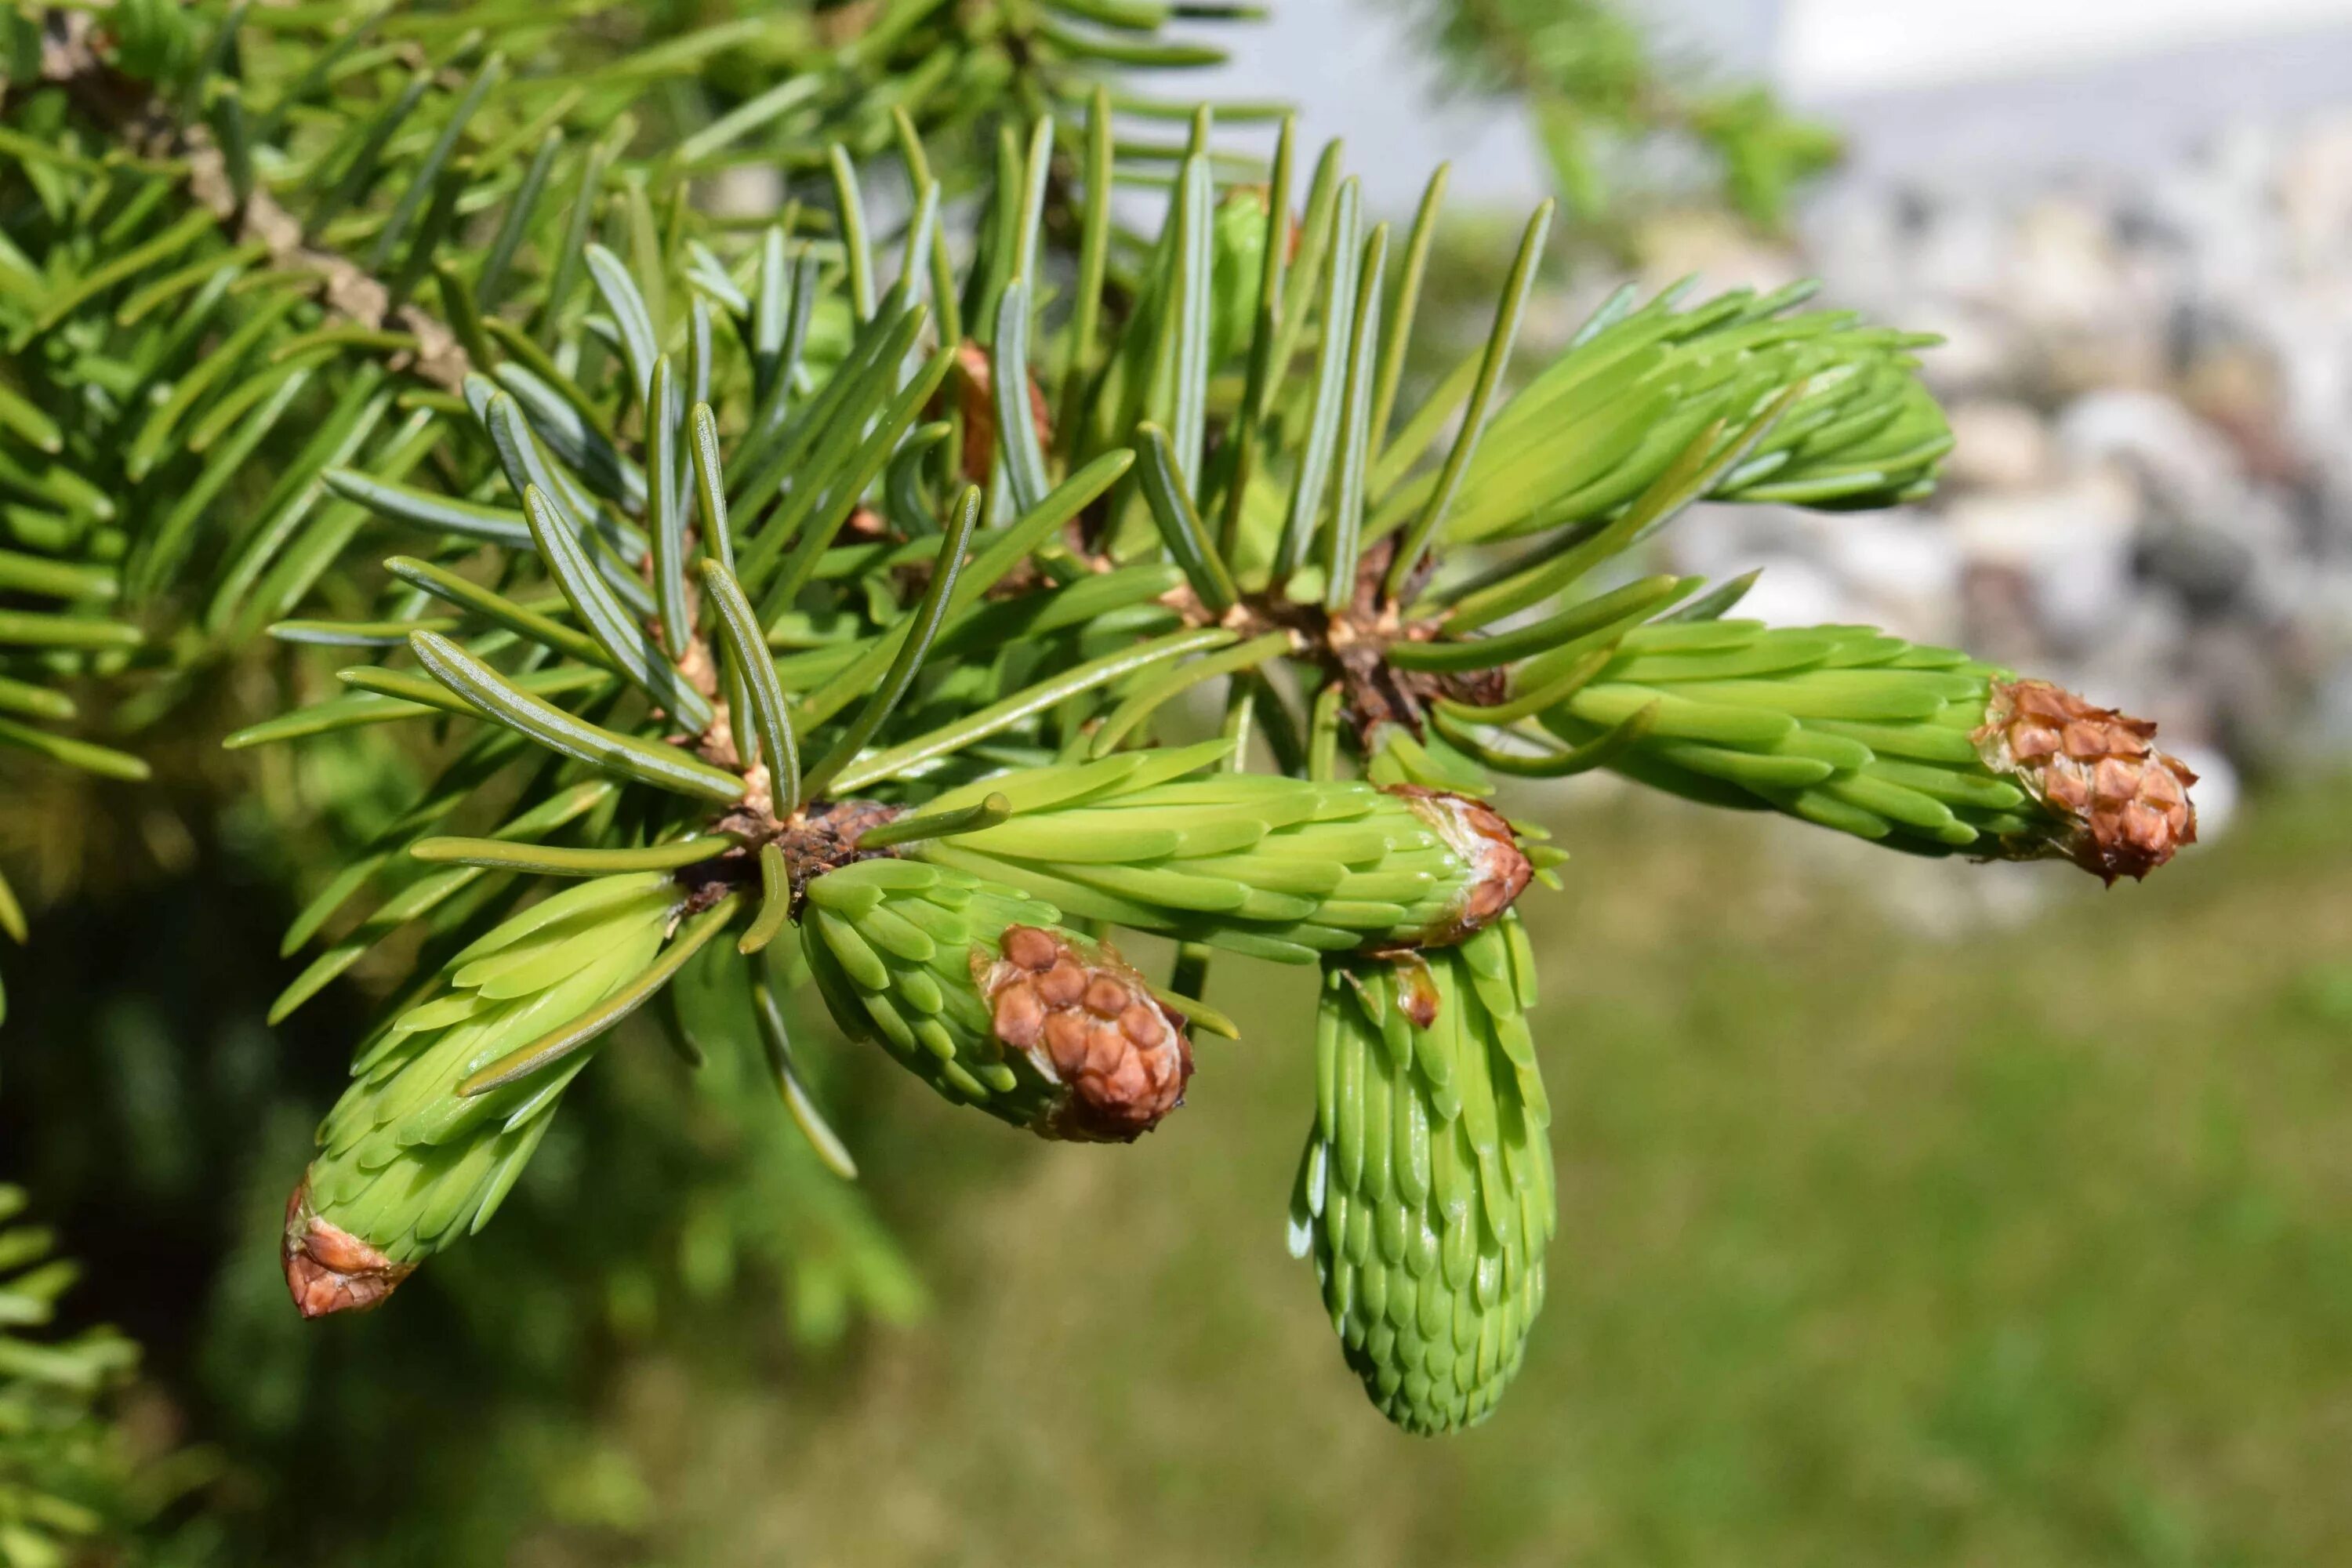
(347, 292)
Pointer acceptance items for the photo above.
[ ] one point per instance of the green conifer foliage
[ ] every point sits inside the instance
(1921, 747)
(821, 616)
(983, 995)
(841, 581)
(1425, 1193)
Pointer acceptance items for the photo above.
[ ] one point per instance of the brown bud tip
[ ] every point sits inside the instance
(2124, 803)
(1498, 871)
(1417, 995)
(328, 1269)
(1089, 1023)
(977, 377)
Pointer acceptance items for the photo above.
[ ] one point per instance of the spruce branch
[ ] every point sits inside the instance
(1424, 1195)
(1918, 746)
(840, 582)
(982, 697)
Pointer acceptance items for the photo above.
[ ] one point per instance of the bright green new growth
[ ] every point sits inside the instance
(1840, 725)
(891, 944)
(406, 1162)
(1425, 1191)
(1256, 864)
(1820, 410)
(1920, 747)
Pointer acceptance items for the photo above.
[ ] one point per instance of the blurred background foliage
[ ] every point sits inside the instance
(1618, 120)
(2028, 1244)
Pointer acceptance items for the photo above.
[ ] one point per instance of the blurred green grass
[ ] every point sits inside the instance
(2023, 1246)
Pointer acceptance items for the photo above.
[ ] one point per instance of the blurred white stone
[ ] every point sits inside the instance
(1795, 592)
(1999, 444)
(2314, 196)
(2072, 543)
(2180, 452)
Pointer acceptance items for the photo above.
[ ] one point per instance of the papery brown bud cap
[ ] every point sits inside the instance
(2125, 803)
(1088, 1022)
(976, 375)
(1499, 870)
(328, 1269)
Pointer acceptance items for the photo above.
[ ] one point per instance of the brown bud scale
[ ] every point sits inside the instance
(1090, 1023)
(1417, 993)
(976, 387)
(2125, 805)
(1499, 870)
(329, 1269)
